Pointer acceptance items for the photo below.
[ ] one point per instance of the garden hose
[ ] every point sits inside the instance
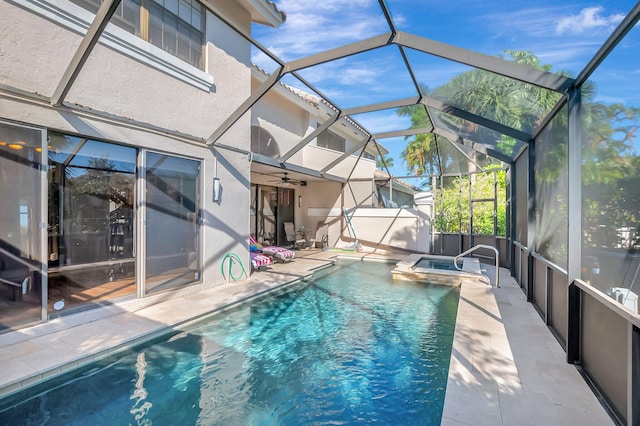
(233, 258)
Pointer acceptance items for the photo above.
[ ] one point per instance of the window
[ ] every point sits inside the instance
(176, 26)
(328, 139)
(368, 156)
(262, 142)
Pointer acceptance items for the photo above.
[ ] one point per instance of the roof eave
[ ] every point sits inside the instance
(265, 12)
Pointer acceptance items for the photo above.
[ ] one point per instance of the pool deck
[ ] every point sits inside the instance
(506, 366)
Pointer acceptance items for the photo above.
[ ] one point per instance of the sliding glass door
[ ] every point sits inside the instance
(91, 222)
(107, 221)
(22, 282)
(172, 222)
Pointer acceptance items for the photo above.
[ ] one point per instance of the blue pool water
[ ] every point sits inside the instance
(446, 265)
(351, 347)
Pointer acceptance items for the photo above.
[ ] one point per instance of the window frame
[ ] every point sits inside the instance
(322, 139)
(141, 29)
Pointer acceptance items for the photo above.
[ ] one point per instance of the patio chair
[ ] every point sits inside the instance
(320, 237)
(15, 273)
(311, 238)
(292, 236)
(276, 252)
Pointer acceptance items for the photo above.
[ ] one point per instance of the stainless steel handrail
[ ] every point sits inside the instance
(474, 248)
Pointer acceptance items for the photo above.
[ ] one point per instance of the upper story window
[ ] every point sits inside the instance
(262, 142)
(176, 26)
(368, 156)
(328, 139)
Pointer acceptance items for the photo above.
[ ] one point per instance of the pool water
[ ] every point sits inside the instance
(349, 347)
(445, 265)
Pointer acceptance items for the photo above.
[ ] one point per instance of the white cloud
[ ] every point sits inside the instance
(532, 22)
(314, 26)
(568, 55)
(362, 79)
(344, 72)
(589, 18)
(385, 121)
(558, 35)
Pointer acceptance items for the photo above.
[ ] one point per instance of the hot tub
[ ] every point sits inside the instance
(438, 269)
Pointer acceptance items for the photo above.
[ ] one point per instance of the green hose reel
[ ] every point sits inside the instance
(233, 259)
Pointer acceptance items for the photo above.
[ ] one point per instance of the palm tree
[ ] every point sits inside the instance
(501, 99)
(420, 154)
(421, 151)
(384, 162)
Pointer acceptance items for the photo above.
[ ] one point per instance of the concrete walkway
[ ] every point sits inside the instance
(506, 367)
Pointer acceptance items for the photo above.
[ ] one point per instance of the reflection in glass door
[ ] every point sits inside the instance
(285, 213)
(172, 222)
(253, 218)
(267, 210)
(91, 227)
(21, 257)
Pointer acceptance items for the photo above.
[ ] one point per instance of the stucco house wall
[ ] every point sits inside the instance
(127, 92)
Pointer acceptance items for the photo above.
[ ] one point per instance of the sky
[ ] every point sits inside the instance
(564, 34)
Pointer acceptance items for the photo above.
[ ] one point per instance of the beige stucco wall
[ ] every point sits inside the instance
(321, 206)
(289, 118)
(365, 168)
(284, 118)
(115, 84)
(359, 194)
(276, 113)
(377, 229)
(49, 50)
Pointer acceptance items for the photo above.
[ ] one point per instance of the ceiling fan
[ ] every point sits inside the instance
(286, 180)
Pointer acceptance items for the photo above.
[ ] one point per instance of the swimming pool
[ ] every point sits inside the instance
(348, 347)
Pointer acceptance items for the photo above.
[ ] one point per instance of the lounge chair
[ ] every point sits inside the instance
(280, 253)
(258, 260)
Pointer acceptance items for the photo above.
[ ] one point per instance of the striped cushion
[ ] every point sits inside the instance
(279, 252)
(275, 251)
(259, 260)
(254, 243)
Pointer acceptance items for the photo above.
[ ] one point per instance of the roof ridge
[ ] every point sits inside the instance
(314, 100)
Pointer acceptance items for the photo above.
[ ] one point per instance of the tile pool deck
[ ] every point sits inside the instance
(506, 367)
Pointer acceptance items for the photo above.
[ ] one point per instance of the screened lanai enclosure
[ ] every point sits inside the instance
(540, 161)
(505, 128)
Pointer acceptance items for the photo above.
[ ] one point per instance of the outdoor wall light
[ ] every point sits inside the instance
(216, 189)
(299, 200)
